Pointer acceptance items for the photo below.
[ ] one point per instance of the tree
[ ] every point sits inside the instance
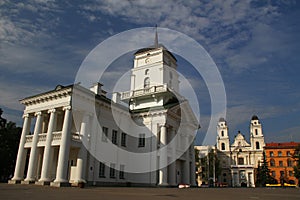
(263, 176)
(9, 142)
(296, 157)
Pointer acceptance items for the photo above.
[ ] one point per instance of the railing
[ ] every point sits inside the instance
(144, 91)
(28, 138)
(56, 136)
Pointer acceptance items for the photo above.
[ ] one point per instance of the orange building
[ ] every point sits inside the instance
(281, 162)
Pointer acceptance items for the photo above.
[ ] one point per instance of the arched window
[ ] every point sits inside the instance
(147, 72)
(272, 163)
(256, 131)
(223, 146)
(257, 145)
(147, 82)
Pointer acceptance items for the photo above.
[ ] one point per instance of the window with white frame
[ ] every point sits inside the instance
(104, 134)
(101, 170)
(112, 171)
(114, 137)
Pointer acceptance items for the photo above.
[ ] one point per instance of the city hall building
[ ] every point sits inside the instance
(68, 140)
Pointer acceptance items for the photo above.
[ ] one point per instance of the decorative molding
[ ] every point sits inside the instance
(25, 115)
(67, 108)
(52, 110)
(38, 113)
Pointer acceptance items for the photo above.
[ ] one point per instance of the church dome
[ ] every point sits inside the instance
(222, 119)
(254, 117)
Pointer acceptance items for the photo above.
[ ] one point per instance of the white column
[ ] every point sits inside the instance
(163, 158)
(21, 157)
(82, 154)
(31, 173)
(186, 165)
(64, 149)
(48, 151)
(172, 171)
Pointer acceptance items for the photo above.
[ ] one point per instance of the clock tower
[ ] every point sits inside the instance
(154, 79)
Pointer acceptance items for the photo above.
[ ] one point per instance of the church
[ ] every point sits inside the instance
(141, 137)
(239, 160)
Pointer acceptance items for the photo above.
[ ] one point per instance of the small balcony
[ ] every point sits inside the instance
(144, 92)
(56, 138)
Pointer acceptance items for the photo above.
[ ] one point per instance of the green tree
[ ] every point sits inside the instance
(263, 176)
(296, 157)
(9, 142)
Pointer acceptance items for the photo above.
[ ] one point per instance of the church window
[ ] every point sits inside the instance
(147, 82)
(279, 153)
(272, 163)
(141, 140)
(240, 161)
(101, 170)
(104, 134)
(112, 171)
(147, 72)
(223, 146)
(257, 145)
(222, 133)
(256, 131)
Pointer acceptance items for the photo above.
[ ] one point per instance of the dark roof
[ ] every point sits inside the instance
(152, 48)
(222, 119)
(254, 117)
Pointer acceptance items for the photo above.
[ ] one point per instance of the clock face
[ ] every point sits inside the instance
(147, 60)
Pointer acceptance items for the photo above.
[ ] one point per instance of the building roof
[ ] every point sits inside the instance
(150, 48)
(254, 117)
(281, 145)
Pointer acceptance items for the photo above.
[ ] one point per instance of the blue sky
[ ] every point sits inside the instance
(255, 45)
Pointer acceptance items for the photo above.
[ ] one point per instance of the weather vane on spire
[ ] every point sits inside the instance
(156, 38)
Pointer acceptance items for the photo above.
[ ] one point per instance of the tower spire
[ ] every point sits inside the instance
(156, 38)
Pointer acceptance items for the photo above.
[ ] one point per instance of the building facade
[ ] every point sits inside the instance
(239, 160)
(73, 125)
(281, 163)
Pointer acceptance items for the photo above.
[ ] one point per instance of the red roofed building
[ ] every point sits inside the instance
(281, 162)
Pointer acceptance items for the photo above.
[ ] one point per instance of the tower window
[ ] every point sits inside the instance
(147, 72)
(256, 131)
(141, 140)
(147, 82)
(222, 133)
(223, 146)
(257, 145)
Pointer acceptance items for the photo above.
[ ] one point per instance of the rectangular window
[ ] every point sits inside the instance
(114, 137)
(104, 134)
(280, 164)
(281, 173)
(291, 173)
(121, 172)
(279, 153)
(112, 171)
(123, 139)
(288, 153)
(141, 140)
(273, 174)
(271, 154)
(101, 170)
(240, 161)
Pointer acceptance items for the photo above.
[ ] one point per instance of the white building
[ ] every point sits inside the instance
(73, 125)
(239, 160)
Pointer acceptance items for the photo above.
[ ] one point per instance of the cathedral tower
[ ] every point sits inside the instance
(256, 134)
(223, 143)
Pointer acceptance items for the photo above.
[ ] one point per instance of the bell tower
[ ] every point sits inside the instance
(154, 79)
(223, 143)
(256, 134)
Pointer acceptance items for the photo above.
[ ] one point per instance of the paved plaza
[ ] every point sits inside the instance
(32, 192)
